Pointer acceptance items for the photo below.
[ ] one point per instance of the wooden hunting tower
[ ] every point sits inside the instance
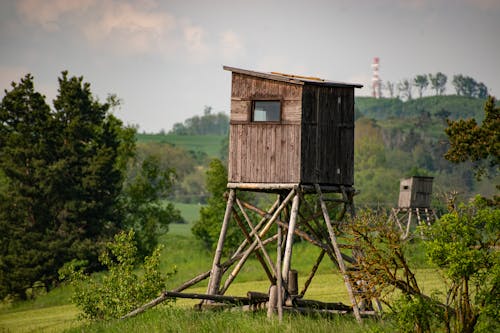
(288, 129)
(414, 199)
(415, 192)
(292, 137)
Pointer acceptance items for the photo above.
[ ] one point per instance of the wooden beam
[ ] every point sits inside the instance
(338, 254)
(252, 247)
(215, 275)
(289, 239)
(256, 235)
(257, 254)
(313, 272)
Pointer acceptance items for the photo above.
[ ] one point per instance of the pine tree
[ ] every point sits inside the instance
(64, 171)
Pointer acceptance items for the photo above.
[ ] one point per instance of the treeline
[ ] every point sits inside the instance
(207, 124)
(463, 85)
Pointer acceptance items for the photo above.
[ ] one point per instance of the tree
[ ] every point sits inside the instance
(145, 212)
(208, 124)
(404, 88)
(390, 88)
(479, 144)
(64, 171)
(26, 126)
(438, 82)
(421, 82)
(121, 290)
(467, 86)
(464, 245)
(207, 228)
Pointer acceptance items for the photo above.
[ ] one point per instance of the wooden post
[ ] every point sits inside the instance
(408, 224)
(293, 282)
(279, 278)
(273, 301)
(216, 273)
(289, 239)
(338, 254)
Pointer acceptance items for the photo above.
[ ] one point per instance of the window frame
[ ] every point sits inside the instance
(252, 111)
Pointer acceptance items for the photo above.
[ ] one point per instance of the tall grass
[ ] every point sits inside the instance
(172, 319)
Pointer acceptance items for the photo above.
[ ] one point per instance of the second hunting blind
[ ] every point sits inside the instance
(288, 129)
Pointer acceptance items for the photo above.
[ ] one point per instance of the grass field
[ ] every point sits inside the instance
(53, 312)
(209, 144)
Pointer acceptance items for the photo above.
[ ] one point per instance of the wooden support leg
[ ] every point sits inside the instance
(338, 254)
(253, 246)
(279, 279)
(408, 224)
(395, 213)
(289, 239)
(216, 273)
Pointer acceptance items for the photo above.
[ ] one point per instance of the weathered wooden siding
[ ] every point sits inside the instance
(327, 135)
(247, 88)
(264, 153)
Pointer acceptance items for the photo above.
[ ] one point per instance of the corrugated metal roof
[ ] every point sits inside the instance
(291, 78)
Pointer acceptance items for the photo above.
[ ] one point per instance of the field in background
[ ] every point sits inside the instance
(209, 144)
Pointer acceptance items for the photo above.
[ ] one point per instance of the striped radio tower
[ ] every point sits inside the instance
(376, 82)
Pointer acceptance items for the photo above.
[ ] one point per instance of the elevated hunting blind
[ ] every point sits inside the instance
(293, 138)
(288, 129)
(414, 199)
(415, 192)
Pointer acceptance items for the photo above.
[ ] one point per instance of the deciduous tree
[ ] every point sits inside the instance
(438, 82)
(421, 82)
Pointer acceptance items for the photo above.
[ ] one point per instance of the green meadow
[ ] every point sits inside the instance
(53, 311)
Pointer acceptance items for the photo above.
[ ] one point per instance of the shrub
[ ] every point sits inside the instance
(120, 290)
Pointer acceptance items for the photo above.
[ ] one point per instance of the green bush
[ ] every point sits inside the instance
(121, 290)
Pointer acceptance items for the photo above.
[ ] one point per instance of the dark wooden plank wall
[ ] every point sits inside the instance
(264, 152)
(328, 135)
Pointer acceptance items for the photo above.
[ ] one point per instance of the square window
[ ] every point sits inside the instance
(266, 111)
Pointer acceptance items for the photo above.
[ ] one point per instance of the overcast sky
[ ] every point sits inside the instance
(164, 58)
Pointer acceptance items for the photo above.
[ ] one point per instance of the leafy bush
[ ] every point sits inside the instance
(121, 290)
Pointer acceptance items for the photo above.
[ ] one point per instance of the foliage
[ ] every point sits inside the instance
(404, 88)
(208, 226)
(416, 314)
(208, 124)
(469, 141)
(467, 86)
(464, 245)
(421, 82)
(64, 171)
(438, 82)
(143, 204)
(383, 266)
(121, 290)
